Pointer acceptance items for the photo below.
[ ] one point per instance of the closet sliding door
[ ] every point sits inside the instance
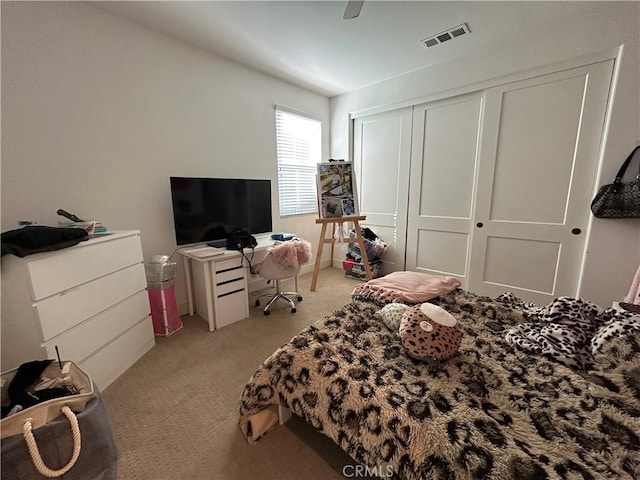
(382, 152)
(496, 185)
(540, 146)
(444, 161)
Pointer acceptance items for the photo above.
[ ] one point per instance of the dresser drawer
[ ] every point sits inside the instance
(83, 340)
(61, 312)
(55, 273)
(110, 362)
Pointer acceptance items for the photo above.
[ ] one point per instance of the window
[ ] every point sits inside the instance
(298, 141)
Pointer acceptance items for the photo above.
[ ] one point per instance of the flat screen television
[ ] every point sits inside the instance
(207, 209)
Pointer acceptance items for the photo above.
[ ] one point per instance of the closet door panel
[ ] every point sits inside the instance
(442, 185)
(382, 149)
(540, 147)
(447, 154)
(444, 252)
(507, 252)
(535, 151)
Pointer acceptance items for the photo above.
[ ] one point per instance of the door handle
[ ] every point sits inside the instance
(479, 224)
(576, 231)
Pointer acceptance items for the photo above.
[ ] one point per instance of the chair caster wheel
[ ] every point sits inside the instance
(299, 298)
(267, 312)
(257, 304)
(293, 310)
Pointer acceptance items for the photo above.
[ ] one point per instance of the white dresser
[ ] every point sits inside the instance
(89, 300)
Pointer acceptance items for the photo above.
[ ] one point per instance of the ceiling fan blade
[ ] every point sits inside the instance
(353, 9)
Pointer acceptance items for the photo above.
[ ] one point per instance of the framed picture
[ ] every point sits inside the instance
(336, 190)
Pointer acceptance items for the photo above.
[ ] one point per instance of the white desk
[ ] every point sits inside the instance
(220, 284)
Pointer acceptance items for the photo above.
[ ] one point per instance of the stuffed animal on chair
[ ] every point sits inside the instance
(429, 332)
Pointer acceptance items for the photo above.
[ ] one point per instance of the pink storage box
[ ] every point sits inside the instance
(164, 311)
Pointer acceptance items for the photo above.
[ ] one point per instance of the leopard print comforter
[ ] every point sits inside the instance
(490, 412)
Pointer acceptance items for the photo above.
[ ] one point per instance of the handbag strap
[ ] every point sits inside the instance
(617, 182)
(35, 453)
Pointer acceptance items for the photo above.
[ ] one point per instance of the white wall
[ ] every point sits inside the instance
(98, 112)
(614, 245)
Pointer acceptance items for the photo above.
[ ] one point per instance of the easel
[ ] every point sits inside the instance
(323, 239)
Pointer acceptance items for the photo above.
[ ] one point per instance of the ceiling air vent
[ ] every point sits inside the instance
(450, 34)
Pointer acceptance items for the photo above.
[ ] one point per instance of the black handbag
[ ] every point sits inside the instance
(619, 199)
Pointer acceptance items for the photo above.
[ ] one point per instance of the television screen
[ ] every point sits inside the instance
(207, 209)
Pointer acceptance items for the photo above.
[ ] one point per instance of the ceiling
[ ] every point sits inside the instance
(307, 43)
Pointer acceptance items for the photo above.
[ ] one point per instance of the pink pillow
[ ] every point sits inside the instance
(411, 287)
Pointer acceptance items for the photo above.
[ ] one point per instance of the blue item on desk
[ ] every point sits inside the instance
(283, 236)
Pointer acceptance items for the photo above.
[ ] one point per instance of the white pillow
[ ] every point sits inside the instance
(391, 315)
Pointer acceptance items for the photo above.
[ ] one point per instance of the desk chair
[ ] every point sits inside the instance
(283, 261)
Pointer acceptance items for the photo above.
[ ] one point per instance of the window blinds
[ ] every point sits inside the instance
(298, 140)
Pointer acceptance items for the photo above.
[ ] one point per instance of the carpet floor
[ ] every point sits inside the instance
(174, 413)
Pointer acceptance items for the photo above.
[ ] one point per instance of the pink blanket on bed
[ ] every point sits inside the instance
(407, 287)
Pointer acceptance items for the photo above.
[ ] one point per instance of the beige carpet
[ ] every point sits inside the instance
(174, 413)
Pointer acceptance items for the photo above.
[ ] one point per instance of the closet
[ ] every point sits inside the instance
(382, 154)
(491, 186)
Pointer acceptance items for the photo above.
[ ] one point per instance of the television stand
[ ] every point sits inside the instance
(222, 243)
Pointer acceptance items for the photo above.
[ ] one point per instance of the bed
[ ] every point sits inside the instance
(495, 410)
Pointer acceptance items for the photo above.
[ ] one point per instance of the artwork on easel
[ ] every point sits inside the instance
(336, 190)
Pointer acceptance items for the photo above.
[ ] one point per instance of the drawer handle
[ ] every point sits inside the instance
(230, 293)
(224, 270)
(69, 290)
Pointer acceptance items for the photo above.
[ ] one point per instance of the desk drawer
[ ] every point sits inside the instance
(232, 308)
(230, 287)
(230, 275)
(227, 264)
(67, 310)
(53, 274)
(80, 342)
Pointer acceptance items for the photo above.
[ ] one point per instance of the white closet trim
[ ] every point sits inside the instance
(614, 53)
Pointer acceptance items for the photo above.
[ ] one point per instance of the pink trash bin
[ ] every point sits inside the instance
(164, 310)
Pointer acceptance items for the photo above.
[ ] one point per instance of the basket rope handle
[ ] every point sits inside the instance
(35, 453)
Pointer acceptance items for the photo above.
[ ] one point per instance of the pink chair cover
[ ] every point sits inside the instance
(271, 269)
(285, 260)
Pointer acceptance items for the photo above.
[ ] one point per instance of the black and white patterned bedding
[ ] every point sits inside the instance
(569, 330)
(493, 411)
